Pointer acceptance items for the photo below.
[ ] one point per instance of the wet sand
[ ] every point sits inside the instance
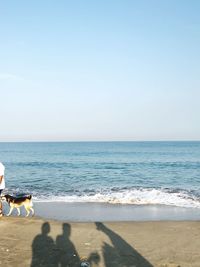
(91, 212)
(36, 242)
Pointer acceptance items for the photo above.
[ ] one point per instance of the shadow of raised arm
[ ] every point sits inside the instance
(120, 253)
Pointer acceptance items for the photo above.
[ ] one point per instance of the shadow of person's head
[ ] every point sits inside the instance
(66, 229)
(46, 228)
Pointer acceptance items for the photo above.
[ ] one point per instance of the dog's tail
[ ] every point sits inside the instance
(29, 197)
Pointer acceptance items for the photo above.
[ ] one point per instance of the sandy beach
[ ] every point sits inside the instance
(36, 242)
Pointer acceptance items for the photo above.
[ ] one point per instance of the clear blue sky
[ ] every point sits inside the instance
(100, 70)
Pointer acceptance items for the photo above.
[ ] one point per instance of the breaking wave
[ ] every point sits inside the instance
(141, 196)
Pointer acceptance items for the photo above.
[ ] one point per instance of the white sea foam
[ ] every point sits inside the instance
(131, 196)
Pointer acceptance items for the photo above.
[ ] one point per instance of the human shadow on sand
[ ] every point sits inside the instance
(120, 254)
(43, 249)
(61, 253)
(68, 256)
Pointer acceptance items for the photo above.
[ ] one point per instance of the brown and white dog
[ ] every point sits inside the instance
(17, 202)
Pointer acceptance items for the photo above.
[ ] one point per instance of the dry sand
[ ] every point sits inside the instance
(145, 244)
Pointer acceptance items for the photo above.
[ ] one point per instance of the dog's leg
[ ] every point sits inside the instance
(33, 212)
(27, 211)
(11, 209)
(18, 209)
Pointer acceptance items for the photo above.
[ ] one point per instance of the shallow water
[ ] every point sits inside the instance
(113, 172)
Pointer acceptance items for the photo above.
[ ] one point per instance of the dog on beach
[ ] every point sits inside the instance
(17, 202)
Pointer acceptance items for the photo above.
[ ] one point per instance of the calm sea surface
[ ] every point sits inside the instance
(115, 172)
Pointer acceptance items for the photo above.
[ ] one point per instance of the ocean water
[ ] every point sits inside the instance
(135, 173)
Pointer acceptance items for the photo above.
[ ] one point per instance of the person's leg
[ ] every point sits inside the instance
(0, 204)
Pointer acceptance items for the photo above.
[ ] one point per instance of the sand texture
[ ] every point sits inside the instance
(36, 242)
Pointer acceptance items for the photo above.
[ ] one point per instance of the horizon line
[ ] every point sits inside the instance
(97, 141)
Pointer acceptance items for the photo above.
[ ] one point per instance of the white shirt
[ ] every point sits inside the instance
(2, 170)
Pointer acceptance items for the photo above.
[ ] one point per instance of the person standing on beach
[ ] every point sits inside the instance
(2, 184)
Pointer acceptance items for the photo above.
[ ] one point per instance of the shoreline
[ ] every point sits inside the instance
(91, 212)
(143, 244)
